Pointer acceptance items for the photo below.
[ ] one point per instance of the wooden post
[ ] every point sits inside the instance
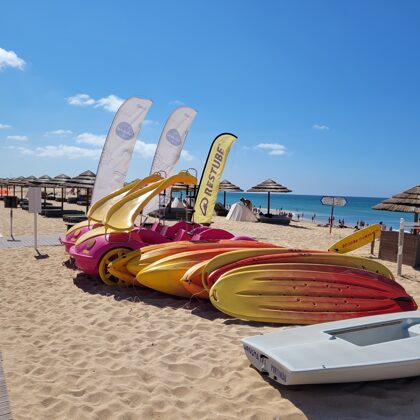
(268, 210)
(11, 224)
(400, 247)
(35, 232)
(332, 215)
(87, 200)
(372, 245)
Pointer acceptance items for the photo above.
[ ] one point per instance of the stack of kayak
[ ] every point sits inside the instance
(262, 282)
(241, 277)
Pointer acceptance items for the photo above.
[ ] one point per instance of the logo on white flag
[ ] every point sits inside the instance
(125, 131)
(174, 137)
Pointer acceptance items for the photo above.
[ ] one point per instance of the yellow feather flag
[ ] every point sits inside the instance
(209, 184)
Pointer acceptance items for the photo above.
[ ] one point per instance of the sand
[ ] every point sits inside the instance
(74, 348)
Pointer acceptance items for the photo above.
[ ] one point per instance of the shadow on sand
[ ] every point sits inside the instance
(198, 307)
(392, 399)
(395, 398)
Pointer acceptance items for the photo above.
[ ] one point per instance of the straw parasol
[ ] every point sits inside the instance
(406, 202)
(269, 186)
(227, 186)
(84, 180)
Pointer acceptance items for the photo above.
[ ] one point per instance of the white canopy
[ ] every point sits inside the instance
(242, 213)
(177, 203)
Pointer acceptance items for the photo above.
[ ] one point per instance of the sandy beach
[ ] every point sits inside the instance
(74, 348)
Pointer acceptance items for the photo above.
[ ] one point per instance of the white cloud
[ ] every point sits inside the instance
(274, 148)
(111, 103)
(186, 155)
(145, 149)
(10, 59)
(70, 152)
(58, 133)
(17, 138)
(89, 138)
(25, 151)
(320, 127)
(150, 122)
(81, 99)
(4, 126)
(176, 102)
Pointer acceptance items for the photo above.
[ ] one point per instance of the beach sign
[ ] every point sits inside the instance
(357, 239)
(333, 201)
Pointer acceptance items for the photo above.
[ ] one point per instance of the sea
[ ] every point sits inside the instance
(356, 209)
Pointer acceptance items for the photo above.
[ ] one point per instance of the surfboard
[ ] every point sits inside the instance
(357, 239)
(275, 294)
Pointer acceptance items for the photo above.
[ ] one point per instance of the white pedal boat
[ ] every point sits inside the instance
(369, 348)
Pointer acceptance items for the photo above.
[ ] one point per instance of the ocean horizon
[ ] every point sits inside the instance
(356, 209)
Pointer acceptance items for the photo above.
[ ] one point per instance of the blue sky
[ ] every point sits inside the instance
(323, 95)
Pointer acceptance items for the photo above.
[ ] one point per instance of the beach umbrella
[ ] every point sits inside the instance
(269, 186)
(27, 182)
(44, 181)
(20, 181)
(406, 202)
(227, 186)
(60, 180)
(85, 180)
(5, 182)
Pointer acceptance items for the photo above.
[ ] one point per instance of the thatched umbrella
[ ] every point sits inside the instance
(19, 182)
(85, 180)
(44, 181)
(61, 180)
(406, 202)
(269, 186)
(5, 182)
(227, 186)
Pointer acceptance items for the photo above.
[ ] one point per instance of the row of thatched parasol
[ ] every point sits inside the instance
(407, 201)
(85, 180)
(269, 186)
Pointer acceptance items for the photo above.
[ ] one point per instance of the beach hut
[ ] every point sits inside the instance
(227, 186)
(269, 186)
(406, 202)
